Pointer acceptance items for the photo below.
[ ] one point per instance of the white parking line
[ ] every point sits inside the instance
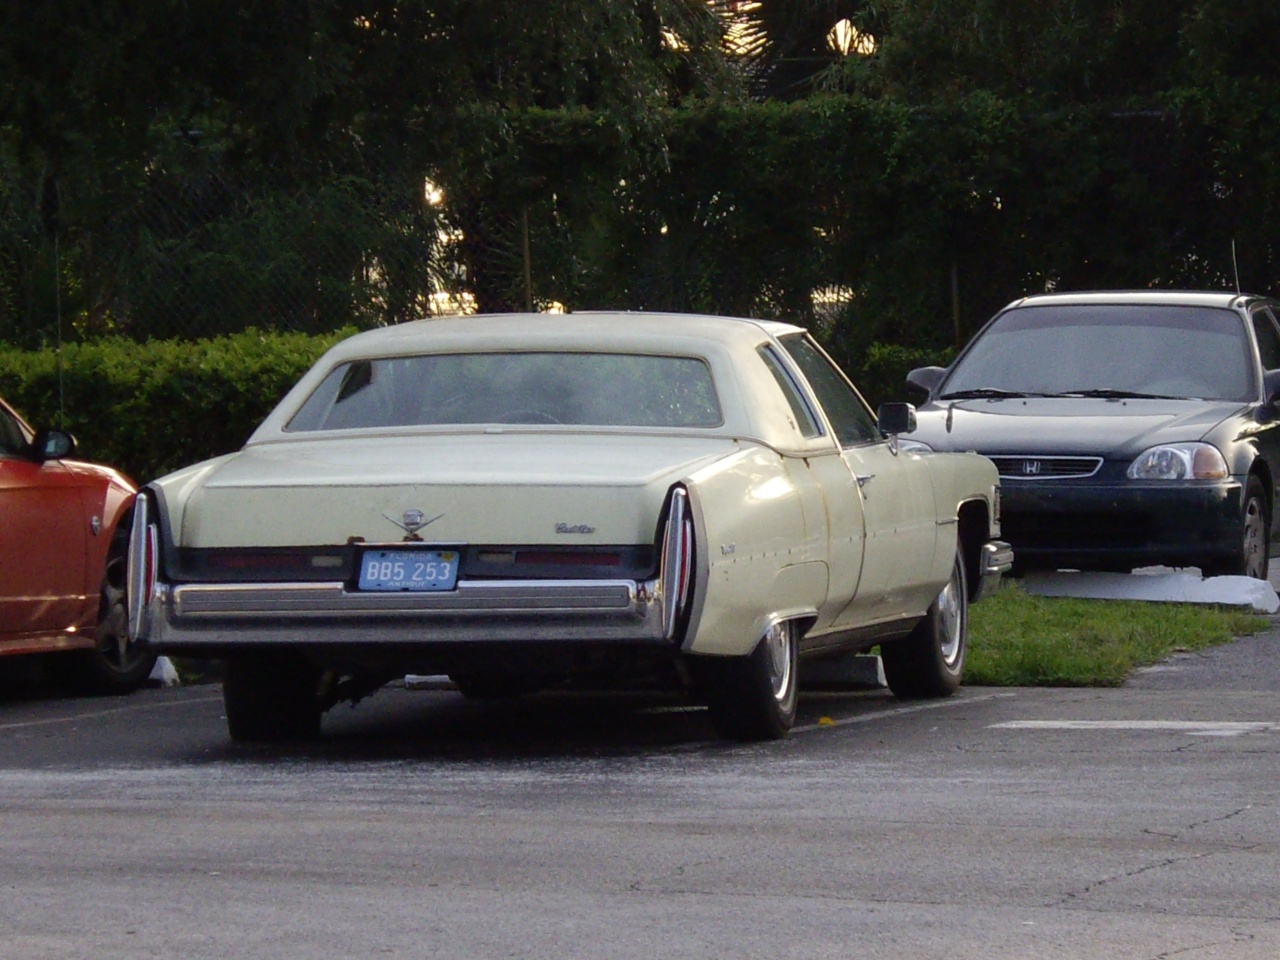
(132, 708)
(1195, 728)
(827, 723)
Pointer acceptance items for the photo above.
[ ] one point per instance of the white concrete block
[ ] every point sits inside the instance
(1159, 585)
(164, 674)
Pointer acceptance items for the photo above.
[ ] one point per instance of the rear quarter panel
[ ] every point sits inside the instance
(759, 557)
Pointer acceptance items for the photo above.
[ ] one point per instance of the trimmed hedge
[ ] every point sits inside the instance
(881, 372)
(149, 408)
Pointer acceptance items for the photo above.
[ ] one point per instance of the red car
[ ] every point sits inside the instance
(64, 528)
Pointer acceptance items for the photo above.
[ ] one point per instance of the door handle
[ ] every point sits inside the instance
(862, 478)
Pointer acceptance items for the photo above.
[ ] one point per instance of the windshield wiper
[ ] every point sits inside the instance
(979, 393)
(1108, 394)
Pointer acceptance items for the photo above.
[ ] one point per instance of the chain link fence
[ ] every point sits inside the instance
(199, 255)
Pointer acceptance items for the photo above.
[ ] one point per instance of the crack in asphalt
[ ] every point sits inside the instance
(1227, 847)
(1073, 896)
(1222, 819)
(1237, 937)
(1204, 823)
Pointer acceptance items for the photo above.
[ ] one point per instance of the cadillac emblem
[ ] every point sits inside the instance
(412, 521)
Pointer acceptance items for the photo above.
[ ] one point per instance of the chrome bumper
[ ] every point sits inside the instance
(190, 616)
(996, 559)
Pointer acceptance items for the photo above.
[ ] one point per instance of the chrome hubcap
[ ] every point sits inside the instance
(951, 617)
(778, 642)
(1255, 540)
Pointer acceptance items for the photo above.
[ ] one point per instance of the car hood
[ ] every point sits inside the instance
(98, 475)
(481, 489)
(1067, 426)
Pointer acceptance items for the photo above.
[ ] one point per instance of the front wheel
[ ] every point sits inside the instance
(116, 664)
(271, 697)
(930, 660)
(1252, 560)
(754, 697)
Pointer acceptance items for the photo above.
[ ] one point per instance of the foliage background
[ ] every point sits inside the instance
(183, 169)
(171, 403)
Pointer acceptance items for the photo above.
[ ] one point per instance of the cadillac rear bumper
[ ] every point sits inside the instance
(188, 617)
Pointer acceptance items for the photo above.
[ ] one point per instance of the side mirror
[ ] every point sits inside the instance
(895, 418)
(1271, 385)
(926, 379)
(53, 445)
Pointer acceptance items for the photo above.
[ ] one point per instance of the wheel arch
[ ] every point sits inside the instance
(972, 531)
(1259, 468)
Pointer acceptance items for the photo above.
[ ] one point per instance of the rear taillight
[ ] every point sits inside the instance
(566, 558)
(144, 562)
(677, 561)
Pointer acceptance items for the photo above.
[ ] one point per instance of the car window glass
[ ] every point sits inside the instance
(592, 389)
(1183, 351)
(802, 416)
(849, 416)
(12, 440)
(1264, 327)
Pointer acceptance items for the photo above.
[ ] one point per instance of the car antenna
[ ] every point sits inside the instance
(1235, 266)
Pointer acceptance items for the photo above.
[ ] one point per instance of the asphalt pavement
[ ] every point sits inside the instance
(1250, 663)
(1134, 823)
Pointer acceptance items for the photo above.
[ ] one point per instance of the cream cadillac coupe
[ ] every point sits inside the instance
(593, 500)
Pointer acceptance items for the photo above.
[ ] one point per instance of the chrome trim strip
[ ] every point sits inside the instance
(194, 616)
(325, 600)
(135, 574)
(1001, 460)
(674, 575)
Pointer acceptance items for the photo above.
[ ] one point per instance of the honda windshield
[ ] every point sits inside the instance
(1107, 351)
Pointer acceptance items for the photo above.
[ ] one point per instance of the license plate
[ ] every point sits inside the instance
(399, 570)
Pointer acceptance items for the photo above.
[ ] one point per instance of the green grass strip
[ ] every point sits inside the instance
(1020, 640)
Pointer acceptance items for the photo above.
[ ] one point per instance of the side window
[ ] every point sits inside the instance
(804, 418)
(1264, 327)
(849, 416)
(12, 440)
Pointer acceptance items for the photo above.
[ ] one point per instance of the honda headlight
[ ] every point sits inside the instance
(1179, 461)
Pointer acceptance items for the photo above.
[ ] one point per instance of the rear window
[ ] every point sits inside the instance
(588, 389)
(12, 437)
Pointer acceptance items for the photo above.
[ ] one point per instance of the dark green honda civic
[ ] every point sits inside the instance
(1129, 428)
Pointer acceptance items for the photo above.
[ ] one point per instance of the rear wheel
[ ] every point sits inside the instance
(1252, 559)
(272, 697)
(754, 697)
(929, 662)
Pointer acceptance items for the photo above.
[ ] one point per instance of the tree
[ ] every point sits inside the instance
(785, 46)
